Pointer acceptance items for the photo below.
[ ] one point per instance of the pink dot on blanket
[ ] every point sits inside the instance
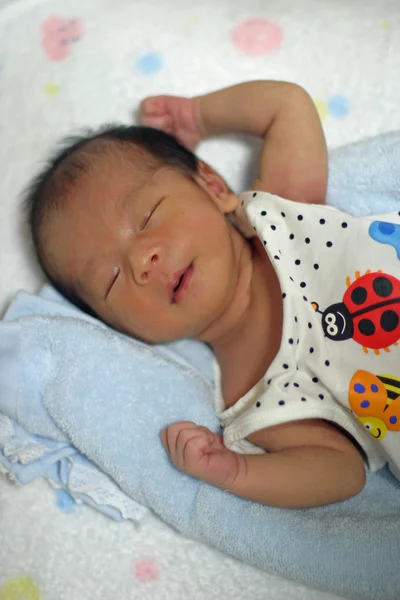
(146, 570)
(257, 37)
(59, 35)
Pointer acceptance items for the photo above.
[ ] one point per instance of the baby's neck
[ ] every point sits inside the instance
(246, 351)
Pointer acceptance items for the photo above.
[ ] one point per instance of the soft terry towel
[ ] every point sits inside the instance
(74, 394)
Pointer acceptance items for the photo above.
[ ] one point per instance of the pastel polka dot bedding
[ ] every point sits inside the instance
(65, 64)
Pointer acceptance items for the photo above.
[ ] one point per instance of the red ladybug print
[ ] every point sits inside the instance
(369, 312)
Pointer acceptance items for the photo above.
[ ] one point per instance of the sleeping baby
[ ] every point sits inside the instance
(299, 301)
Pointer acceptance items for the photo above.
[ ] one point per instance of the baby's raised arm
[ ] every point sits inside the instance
(293, 162)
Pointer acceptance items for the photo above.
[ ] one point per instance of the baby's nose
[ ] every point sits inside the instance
(144, 262)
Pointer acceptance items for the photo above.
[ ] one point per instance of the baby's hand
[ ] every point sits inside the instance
(199, 452)
(174, 115)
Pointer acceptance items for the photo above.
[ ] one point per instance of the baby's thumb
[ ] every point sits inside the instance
(153, 106)
(163, 123)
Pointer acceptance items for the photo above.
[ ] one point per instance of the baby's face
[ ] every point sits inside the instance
(152, 253)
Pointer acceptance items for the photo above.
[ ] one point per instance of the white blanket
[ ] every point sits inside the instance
(65, 64)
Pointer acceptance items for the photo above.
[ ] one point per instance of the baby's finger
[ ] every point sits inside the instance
(164, 439)
(169, 435)
(153, 106)
(190, 446)
(193, 452)
(210, 434)
(164, 123)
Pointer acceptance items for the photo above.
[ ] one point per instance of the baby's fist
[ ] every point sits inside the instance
(199, 452)
(175, 115)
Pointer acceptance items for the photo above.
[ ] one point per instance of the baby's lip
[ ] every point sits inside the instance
(174, 282)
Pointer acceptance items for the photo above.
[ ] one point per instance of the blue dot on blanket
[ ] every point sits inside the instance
(338, 106)
(149, 63)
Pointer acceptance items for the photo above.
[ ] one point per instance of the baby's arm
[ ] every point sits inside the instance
(293, 161)
(309, 463)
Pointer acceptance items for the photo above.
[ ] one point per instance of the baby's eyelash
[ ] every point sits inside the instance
(146, 219)
(114, 279)
(150, 213)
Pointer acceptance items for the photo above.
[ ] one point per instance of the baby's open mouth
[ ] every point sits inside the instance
(180, 284)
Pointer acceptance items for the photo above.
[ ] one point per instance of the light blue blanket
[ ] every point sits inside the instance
(83, 405)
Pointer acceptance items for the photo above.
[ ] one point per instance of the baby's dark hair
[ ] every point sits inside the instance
(50, 188)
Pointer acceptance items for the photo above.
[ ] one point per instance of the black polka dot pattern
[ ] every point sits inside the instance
(303, 246)
(306, 226)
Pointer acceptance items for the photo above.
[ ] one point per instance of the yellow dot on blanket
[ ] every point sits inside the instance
(321, 107)
(386, 25)
(52, 89)
(194, 19)
(20, 588)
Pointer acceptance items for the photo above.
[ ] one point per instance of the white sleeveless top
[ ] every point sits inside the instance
(339, 357)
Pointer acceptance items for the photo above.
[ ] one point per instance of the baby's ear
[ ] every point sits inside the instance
(216, 186)
(227, 201)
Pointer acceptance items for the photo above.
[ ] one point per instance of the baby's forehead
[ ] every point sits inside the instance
(116, 153)
(95, 161)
